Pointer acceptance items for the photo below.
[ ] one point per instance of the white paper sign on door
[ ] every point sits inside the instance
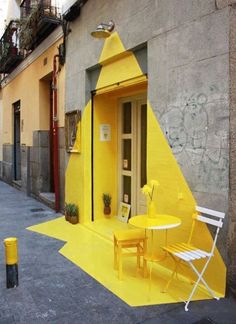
(105, 132)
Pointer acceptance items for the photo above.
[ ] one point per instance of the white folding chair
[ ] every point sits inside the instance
(188, 253)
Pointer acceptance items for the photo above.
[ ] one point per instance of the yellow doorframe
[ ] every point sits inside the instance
(112, 93)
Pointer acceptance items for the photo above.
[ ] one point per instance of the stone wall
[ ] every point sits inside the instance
(232, 196)
(35, 165)
(40, 177)
(7, 163)
(224, 3)
(25, 151)
(39, 163)
(188, 85)
(188, 89)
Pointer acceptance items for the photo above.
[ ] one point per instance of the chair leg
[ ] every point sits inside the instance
(119, 262)
(145, 269)
(145, 272)
(139, 253)
(174, 272)
(200, 278)
(115, 255)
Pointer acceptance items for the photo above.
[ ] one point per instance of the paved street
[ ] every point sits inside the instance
(54, 290)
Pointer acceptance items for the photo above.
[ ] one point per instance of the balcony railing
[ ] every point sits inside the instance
(10, 53)
(38, 19)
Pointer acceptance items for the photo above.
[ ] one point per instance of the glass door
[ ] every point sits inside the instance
(132, 167)
(141, 174)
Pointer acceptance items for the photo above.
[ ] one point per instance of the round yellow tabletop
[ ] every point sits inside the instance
(159, 222)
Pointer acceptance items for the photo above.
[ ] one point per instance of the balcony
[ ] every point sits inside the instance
(10, 54)
(38, 19)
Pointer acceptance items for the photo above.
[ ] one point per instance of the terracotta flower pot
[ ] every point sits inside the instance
(73, 219)
(67, 217)
(107, 210)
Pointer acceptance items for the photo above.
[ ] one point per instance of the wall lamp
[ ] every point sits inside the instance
(103, 30)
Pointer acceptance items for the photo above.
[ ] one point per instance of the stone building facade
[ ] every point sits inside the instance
(187, 52)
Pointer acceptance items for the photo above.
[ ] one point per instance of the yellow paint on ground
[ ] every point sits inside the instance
(174, 197)
(93, 252)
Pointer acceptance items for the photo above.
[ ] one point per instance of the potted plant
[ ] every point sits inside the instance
(71, 213)
(107, 203)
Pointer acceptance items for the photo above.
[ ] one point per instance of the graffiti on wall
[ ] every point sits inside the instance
(197, 132)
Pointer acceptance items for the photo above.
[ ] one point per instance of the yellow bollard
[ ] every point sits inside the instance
(11, 257)
(11, 250)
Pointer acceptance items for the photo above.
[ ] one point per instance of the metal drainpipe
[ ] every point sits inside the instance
(55, 135)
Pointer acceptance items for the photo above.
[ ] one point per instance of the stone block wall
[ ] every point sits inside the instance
(191, 71)
(7, 163)
(224, 3)
(24, 168)
(188, 89)
(39, 163)
(35, 165)
(232, 169)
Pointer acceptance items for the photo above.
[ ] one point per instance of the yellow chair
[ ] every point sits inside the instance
(126, 239)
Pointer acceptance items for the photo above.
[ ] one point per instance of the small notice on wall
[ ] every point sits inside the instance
(105, 132)
(126, 198)
(125, 164)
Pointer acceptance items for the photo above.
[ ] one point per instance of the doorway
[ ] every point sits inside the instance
(133, 152)
(17, 144)
(45, 144)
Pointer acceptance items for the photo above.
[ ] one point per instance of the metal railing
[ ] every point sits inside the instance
(40, 8)
(10, 47)
(38, 19)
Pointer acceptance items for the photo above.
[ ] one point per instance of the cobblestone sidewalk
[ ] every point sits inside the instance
(54, 290)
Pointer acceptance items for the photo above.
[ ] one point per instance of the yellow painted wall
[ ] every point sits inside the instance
(78, 172)
(173, 195)
(44, 104)
(28, 88)
(105, 154)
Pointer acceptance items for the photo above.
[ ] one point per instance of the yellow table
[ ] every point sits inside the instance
(159, 222)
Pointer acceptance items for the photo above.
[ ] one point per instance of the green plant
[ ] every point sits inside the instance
(71, 209)
(29, 28)
(71, 213)
(106, 199)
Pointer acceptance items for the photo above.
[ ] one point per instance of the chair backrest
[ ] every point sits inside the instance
(210, 216)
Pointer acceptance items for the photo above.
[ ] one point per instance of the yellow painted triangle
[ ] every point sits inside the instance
(112, 47)
(174, 197)
(117, 64)
(75, 169)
